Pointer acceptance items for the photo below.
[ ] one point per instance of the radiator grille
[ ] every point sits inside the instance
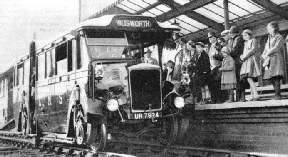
(145, 89)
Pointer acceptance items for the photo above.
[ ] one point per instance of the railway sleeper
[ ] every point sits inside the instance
(48, 145)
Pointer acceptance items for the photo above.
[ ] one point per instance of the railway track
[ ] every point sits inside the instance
(19, 144)
(15, 143)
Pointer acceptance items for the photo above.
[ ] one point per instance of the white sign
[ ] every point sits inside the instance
(134, 23)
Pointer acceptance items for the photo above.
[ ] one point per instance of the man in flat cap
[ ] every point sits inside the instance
(225, 34)
(215, 59)
(236, 44)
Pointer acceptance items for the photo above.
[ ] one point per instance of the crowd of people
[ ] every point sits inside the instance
(229, 62)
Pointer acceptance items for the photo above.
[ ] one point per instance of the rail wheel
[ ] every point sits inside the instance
(79, 129)
(169, 130)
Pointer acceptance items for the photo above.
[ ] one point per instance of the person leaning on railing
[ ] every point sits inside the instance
(273, 58)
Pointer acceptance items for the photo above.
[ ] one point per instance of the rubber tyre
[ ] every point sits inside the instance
(98, 137)
(170, 130)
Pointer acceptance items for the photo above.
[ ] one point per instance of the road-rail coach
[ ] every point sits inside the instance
(88, 84)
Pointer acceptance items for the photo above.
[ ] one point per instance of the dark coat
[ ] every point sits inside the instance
(165, 74)
(192, 67)
(203, 69)
(236, 45)
(194, 79)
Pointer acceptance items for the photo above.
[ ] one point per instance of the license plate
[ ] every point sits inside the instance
(145, 115)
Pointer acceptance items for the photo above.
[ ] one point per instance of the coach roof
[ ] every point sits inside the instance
(107, 20)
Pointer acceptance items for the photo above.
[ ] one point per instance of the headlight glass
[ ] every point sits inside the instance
(112, 105)
(179, 102)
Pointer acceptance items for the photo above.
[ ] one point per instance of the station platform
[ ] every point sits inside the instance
(247, 104)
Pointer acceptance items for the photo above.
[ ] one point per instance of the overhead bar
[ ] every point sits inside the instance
(226, 14)
(272, 7)
(148, 8)
(182, 9)
(190, 13)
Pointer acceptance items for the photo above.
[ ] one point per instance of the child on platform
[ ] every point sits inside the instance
(228, 78)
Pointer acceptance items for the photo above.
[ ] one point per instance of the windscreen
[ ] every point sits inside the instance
(120, 44)
(108, 44)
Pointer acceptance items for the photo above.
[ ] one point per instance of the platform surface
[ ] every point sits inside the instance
(247, 104)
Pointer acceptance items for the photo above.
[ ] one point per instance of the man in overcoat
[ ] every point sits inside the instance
(236, 44)
(215, 59)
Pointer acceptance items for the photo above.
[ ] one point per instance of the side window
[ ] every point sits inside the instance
(15, 76)
(20, 72)
(78, 54)
(61, 59)
(10, 84)
(37, 67)
(41, 66)
(70, 56)
(1, 89)
(4, 85)
(74, 52)
(26, 72)
(50, 62)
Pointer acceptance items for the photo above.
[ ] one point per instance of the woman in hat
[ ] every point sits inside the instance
(250, 69)
(273, 54)
(228, 78)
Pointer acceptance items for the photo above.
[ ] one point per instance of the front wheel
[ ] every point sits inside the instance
(90, 134)
(98, 137)
(169, 130)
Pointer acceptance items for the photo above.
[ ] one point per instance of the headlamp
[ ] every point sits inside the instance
(112, 105)
(179, 102)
